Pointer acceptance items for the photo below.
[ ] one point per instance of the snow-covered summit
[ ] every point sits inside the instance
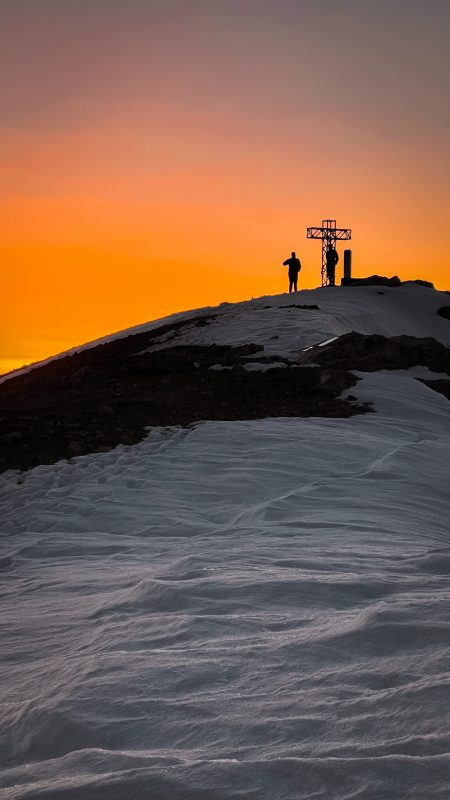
(235, 608)
(284, 323)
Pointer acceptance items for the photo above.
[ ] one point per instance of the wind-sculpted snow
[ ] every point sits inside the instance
(252, 609)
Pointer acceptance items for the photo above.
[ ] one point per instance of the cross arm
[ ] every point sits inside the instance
(325, 233)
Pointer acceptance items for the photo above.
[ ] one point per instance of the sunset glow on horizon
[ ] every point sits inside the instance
(160, 156)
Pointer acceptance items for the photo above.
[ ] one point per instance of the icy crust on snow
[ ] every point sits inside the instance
(282, 327)
(245, 609)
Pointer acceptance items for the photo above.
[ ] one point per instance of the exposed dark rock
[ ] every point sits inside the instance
(80, 375)
(163, 362)
(381, 280)
(372, 280)
(420, 282)
(104, 409)
(294, 305)
(75, 448)
(247, 349)
(441, 386)
(11, 438)
(369, 353)
(312, 307)
(124, 387)
(444, 312)
(70, 366)
(174, 387)
(267, 359)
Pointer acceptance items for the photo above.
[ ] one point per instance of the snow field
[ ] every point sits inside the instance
(246, 609)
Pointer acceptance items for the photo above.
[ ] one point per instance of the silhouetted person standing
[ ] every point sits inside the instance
(294, 268)
(332, 261)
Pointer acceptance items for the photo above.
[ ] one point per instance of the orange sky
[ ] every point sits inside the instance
(163, 156)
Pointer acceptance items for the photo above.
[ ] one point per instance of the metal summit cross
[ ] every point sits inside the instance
(329, 235)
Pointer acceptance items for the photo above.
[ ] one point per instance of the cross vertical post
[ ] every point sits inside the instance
(329, 234)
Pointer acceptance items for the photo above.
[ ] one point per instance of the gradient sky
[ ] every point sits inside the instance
(158, 155)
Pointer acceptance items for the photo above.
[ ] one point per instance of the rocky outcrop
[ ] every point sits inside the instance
(381, 280)
(372, 280)
(110, 394)
(440, 386)
(369, 353)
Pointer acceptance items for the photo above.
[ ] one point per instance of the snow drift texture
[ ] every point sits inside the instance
(240, 609)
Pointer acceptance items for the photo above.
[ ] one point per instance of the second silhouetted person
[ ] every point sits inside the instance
(294, 268)
(332, 260)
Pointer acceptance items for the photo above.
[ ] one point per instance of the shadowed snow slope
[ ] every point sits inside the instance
(252, 609)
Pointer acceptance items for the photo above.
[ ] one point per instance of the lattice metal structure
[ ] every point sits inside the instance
(329, 235)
